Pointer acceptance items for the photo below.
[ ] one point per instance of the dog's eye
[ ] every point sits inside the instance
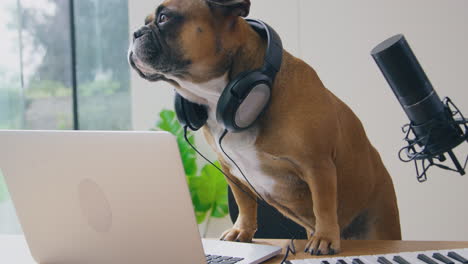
(163, 19)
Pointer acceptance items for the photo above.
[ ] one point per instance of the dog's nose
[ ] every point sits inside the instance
(141, 32)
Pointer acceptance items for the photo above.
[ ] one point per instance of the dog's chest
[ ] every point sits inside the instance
(241, 151)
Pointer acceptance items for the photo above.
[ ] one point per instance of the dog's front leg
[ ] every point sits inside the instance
(246, 224)
(323, 186)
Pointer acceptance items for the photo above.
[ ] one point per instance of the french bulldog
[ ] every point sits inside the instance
(308, 155)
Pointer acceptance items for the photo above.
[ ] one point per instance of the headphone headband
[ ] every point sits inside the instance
(274, 51)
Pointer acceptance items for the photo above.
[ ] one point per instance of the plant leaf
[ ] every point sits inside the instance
(201, 216)
(196, 186)
(168, 122)
(213, 191)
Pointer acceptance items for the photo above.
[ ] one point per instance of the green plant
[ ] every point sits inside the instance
(208, 187)
(209, 193)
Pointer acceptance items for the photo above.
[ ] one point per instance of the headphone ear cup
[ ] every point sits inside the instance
(244, 100)
(189, 114)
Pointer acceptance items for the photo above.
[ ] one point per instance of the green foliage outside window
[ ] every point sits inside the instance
(207, 186)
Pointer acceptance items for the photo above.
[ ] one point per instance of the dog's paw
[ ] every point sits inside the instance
(238, 235)
(324, 244)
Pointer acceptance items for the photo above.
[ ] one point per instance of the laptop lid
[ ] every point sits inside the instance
(101, 197)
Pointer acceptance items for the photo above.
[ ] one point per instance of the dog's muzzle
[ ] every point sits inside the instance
(143, 53)
(145, 45)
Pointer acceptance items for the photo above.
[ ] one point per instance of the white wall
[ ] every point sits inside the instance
(336, 38)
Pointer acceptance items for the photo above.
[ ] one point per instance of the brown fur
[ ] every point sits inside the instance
(329, 178)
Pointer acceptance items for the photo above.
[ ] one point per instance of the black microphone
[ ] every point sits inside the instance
(434, 129)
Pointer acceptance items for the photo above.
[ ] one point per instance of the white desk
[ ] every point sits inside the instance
(14, 250)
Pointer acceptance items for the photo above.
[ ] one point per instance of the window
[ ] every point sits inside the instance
(63, 67)
(103, 74)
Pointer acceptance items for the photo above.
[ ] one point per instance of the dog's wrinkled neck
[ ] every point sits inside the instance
(206, 93)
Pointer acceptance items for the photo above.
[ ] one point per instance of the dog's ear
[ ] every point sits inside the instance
(232, 7)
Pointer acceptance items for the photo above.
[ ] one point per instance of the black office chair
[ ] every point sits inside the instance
(271, 225)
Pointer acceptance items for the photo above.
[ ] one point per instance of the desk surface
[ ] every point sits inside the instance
(14, 249)
(357, 248)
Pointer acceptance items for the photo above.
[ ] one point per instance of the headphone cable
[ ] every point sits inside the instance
(237, 166)
(291, 247)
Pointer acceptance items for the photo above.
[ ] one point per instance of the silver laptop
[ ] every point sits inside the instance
(108, 197)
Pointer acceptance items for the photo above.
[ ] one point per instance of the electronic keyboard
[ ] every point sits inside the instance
(452, 256)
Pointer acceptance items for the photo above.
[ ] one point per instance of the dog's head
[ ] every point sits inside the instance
(191, 40)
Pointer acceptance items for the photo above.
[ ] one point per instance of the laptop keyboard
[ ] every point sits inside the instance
(214, 259)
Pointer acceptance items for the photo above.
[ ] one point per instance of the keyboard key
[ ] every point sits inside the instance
(369, 259)
(426, 259)
(457, 257)
(383, 260)
(442, 258)
(341, 261)
(357, 261)
(400, 260)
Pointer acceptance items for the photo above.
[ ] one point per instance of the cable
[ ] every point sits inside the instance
(235, 164)
(214, 165)
(219, 169)
(262, 203)
(289, 249)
